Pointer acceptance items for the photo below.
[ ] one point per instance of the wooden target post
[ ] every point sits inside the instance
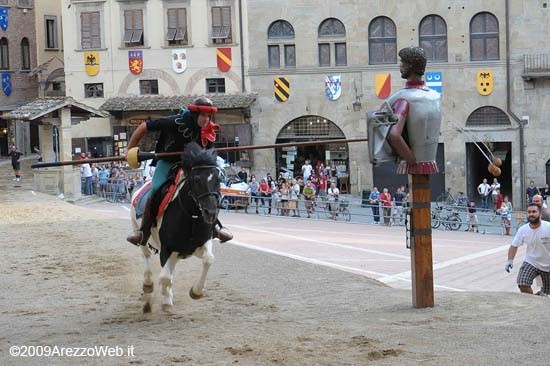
(422, 275)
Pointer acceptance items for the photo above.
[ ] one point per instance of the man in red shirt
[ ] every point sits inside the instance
(323, 184)
(265, 191)
(385, 198)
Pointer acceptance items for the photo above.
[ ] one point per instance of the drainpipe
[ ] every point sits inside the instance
(243, 87)
(520, 122)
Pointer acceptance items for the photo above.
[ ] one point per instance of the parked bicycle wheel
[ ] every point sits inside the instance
(454, 223)
(344, 214)
(435, 221)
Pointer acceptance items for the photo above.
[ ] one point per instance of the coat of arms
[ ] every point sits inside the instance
(179, 60)
(333, 86)
(135, 62)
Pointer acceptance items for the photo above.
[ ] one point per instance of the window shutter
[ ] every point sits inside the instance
(95, 30)
(138, 19)
(172, 18)
(85, 30)
(216, 17)
(226, 16)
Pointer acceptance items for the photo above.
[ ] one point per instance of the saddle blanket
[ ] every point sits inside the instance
(168, 190)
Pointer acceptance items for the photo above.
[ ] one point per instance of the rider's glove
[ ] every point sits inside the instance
(132, 158)
(509, 265)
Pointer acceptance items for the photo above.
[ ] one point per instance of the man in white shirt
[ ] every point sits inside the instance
(483, 189)
(536, 236)
(306, 171)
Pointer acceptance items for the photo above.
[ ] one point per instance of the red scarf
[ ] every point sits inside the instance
(208, 133)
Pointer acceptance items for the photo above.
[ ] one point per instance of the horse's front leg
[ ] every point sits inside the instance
(165, 279)
(147, 280)
(204, 252)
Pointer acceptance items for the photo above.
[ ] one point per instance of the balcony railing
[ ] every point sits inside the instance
(536, 66)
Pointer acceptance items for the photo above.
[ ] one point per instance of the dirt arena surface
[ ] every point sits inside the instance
(69, 279)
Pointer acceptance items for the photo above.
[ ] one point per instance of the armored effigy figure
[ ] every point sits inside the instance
(407, 126)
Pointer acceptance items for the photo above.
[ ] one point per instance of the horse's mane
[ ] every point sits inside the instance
(194, 155)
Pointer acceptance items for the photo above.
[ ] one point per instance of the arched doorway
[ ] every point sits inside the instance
(312, 128)
(476, 163)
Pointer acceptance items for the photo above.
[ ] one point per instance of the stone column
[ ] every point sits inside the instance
(45, 133)
(70, 174)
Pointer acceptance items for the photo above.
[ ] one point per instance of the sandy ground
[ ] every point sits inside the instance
(68, 278)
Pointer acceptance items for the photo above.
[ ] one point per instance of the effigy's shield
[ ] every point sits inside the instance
(379, 123)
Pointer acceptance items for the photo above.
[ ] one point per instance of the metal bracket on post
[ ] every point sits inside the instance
(408, 228)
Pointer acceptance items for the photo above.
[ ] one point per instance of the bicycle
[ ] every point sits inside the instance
(341, 212)
(451, 221)
(447, 199)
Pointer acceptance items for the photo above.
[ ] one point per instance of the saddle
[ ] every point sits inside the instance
(162, 197)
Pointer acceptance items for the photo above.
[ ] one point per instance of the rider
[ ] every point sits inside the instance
(191, 124)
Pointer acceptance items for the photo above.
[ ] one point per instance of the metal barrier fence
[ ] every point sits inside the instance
(114, 190)
(451, 218)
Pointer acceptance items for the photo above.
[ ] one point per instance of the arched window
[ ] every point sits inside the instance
(382, 41)
(487, 117)
(4, 54)
(484, 37)
(281, 35)
(332, 36)
(433, 38)
(25, 55)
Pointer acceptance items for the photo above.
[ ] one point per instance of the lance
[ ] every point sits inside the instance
(150, 155)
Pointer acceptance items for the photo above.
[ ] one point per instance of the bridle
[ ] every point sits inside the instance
(196, 198)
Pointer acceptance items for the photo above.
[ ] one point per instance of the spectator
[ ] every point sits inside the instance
(86, 172)
(243, 176)
(309, 194)
(546, 193)
(315, 181)
(398, 198)
(265, 192)
(494, 187)
(95, 178)
(103, 180)
(537, 254)
(484, 189)
(285, 194)
(506, 214)
(333, 172)
(323, 185)
(531, 191)
(294, 194)
(386, 200)
(306, 170)
(374, 200)
(500, 199)
(38, 153)
(131, 184)
(253, 189)
(16, 162)
(333, 195)
(545, 213)
(472, 217)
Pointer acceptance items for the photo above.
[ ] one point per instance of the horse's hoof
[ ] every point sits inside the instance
(193, 295)
(147, 308)
(167, 308)
(148, 289)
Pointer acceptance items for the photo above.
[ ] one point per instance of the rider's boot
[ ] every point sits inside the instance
(222, 232)
(141, 236)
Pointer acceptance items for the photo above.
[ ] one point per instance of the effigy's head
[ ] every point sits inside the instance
(413, 61)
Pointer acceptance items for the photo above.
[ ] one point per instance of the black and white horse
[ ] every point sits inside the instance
(185, 228)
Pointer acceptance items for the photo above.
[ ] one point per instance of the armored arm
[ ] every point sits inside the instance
(395, 137)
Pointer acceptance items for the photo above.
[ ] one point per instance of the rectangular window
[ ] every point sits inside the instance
(324, 54)
(340, 54)
(25, 4)
(215, 86)
(221, 24)
(149, 87)
(94, 90)
(4, 2)
(25, 55)
(51, 31)
(90, 31)
(290, 55)
(274, 56)
(133, 28)
(177, 27)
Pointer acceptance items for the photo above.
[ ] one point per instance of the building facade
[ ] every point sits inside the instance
(147, 58)
(17, 60)
(330, 62)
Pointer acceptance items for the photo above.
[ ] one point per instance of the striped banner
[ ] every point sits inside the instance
(281, 88)
(224, 59)
(382, 84)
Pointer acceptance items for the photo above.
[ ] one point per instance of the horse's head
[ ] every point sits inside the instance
(203, 177)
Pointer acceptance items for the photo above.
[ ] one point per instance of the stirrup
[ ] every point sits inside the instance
(132, 238)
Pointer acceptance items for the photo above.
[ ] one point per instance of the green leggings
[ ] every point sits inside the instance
(161, 174)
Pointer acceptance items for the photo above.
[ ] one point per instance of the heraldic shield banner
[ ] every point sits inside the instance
(4, 18)
(135, 62)
(223, 56)
(91, 63)
(6, 83)
(382, 85)
(281, 88)
(333, 86)
(179, 60)
(485, 82)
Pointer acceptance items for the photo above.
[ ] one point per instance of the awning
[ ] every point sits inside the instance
(42, 106)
